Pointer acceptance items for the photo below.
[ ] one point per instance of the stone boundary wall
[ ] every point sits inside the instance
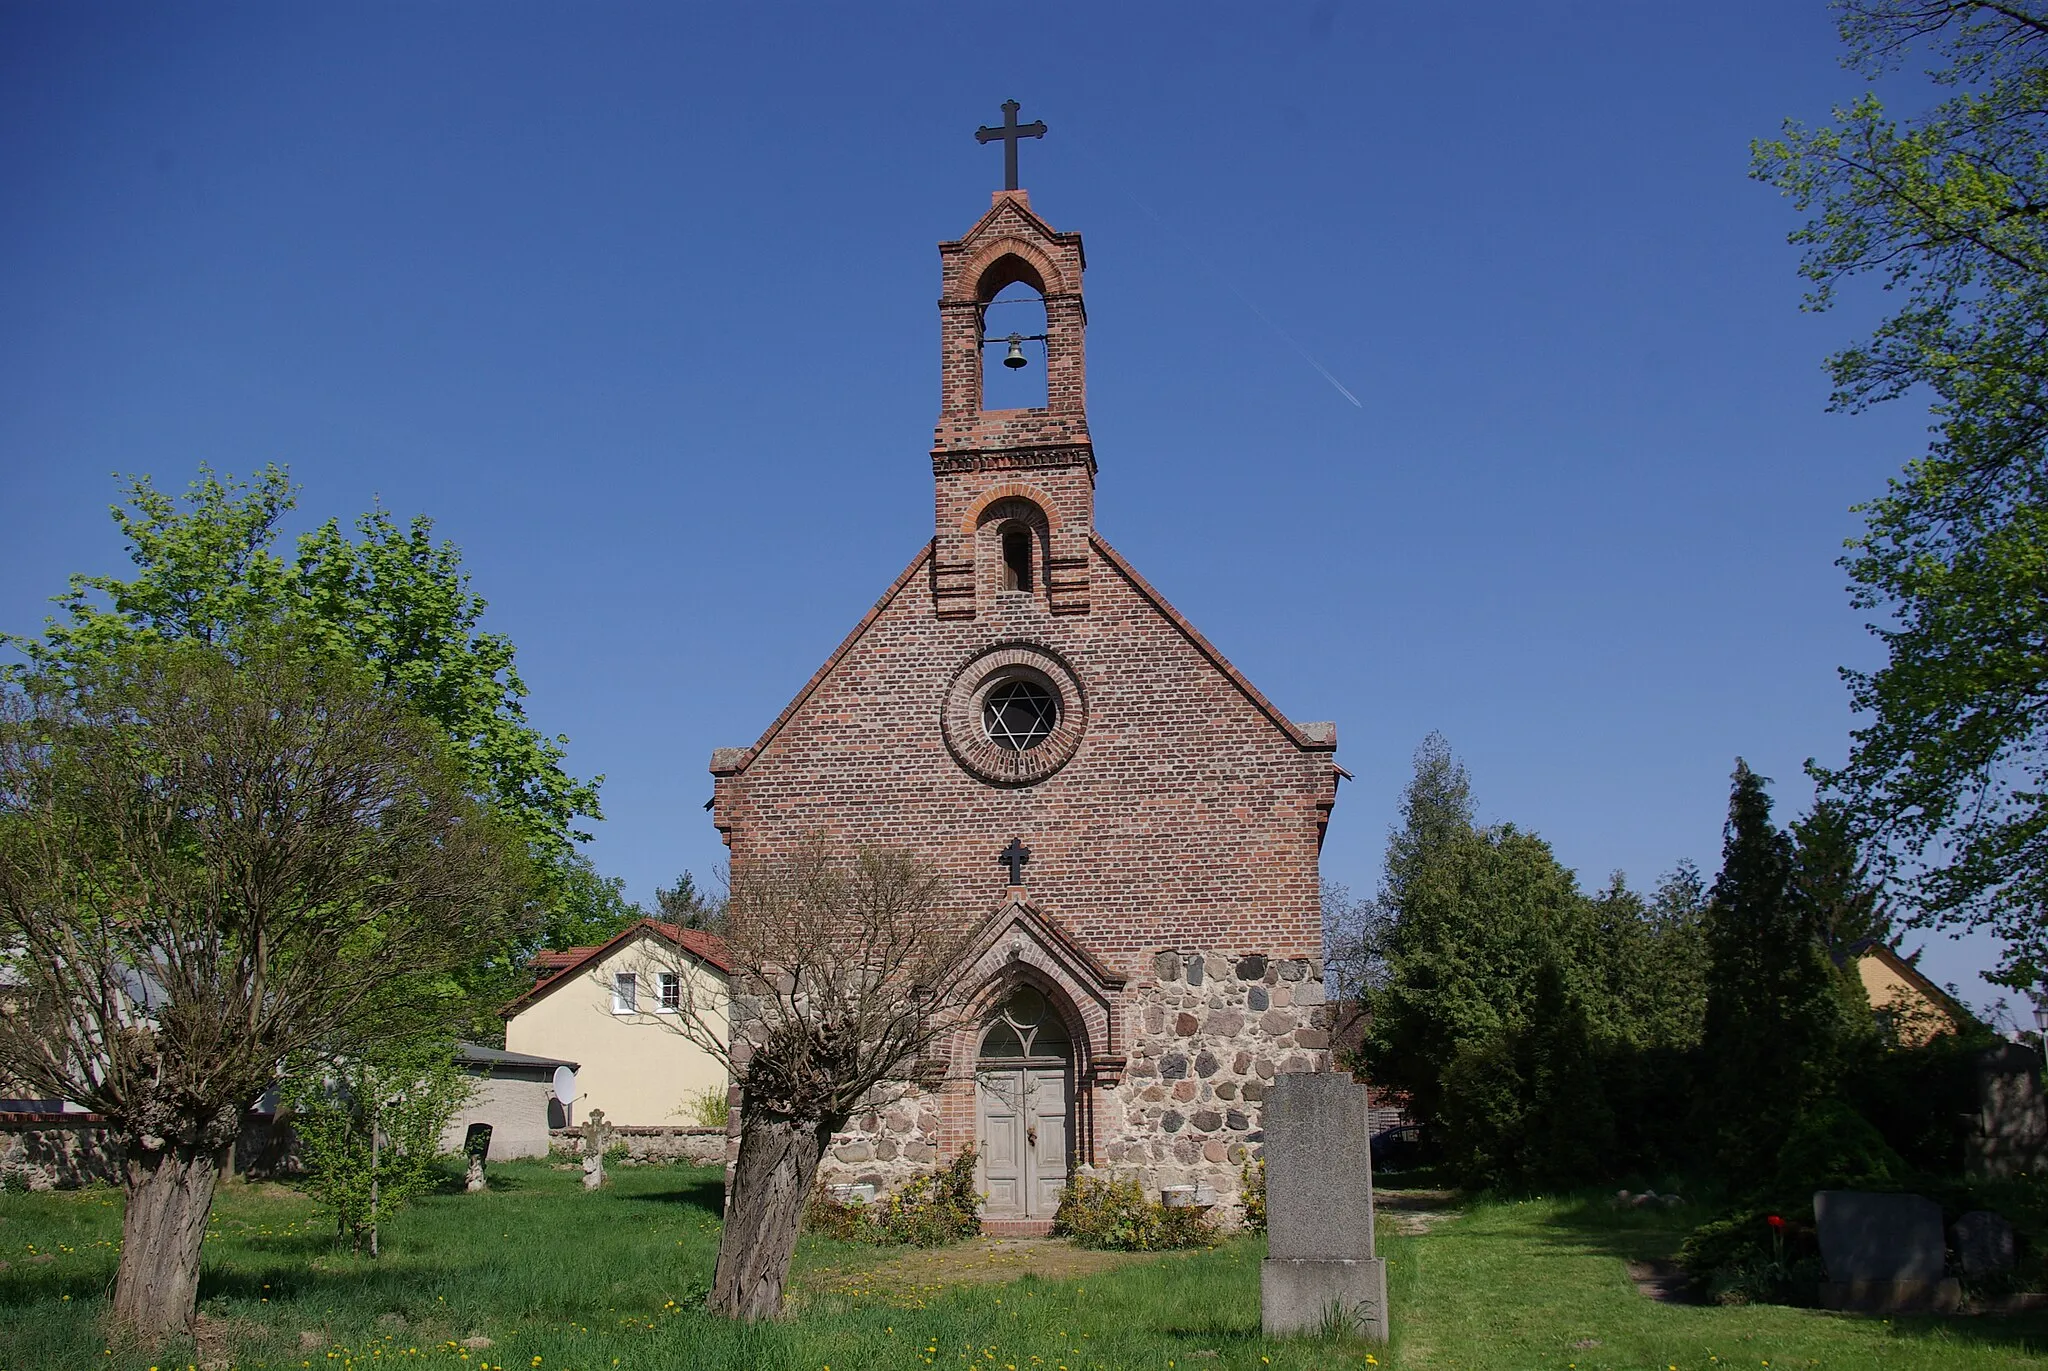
(697, 1146)
(56, 1152)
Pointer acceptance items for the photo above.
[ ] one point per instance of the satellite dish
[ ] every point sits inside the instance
(565, 1085)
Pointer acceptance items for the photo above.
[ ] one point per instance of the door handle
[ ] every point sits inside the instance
(1031, 1136)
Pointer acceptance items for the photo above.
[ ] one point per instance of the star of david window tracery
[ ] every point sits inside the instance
(1019, 714)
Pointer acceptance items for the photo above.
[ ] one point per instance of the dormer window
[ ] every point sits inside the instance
(1017, 557)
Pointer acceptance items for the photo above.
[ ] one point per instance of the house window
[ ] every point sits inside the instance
(625, 992)
(671, 992)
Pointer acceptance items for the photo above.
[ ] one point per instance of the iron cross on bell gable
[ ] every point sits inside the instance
(1014, 856)
(1010, 132)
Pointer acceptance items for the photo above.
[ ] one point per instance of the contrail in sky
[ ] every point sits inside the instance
(1231, 286)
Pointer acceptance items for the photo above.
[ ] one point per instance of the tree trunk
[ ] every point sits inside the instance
(778, 1163)
(170, 1193)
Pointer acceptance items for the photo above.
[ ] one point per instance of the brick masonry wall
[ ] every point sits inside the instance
(1186, 818)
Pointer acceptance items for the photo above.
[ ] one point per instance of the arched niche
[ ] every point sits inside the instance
(1013, 546)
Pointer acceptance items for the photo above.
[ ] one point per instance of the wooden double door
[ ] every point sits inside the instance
(1025, 1114)
(1023, 1105)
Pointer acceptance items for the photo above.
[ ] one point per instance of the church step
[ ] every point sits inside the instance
(1016, 1228)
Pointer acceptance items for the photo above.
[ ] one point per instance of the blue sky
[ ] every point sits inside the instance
(638, 303)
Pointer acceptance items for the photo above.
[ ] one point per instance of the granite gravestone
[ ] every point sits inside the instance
(1884, 1253)
(1984, 1243)
(1320, 1273)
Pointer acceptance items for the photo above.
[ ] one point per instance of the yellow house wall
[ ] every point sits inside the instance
(638, 1068)
(1919, 1018)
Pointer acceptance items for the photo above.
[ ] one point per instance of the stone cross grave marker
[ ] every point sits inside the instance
(1884, 1253)
(597, 1136)
(1320, 1273)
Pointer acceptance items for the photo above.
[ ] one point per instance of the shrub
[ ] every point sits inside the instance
(1116, 1214)
(931, 1210)
(1252, 1186)
(827, 1214)
(1746, 1258)
(710, 1108)
(405, 1098)
(1832, 1147)
(934, 1209)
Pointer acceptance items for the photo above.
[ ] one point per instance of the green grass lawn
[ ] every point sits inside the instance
(1542, 1283)
(569, 1281)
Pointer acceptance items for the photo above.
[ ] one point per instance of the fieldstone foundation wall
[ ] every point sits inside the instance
(1212, 1030)
(896, 1137)
(1208, 1033)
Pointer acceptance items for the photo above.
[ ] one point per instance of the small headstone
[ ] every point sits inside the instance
(1984, 1243)
(1320, 1273)
(1883, 1253)
(476, 1146)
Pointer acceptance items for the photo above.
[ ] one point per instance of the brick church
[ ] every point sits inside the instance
(1157, 960)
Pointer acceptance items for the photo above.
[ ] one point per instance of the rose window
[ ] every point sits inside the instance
(1019, 714)
(1013, 714)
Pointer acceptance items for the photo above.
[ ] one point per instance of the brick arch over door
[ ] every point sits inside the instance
(1018, 946)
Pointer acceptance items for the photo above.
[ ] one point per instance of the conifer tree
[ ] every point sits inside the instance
(1830, 877)
(1772, 1031)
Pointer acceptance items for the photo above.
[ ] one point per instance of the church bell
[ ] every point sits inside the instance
(1016, 357)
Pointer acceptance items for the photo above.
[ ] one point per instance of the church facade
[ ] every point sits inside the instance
(1144, 975)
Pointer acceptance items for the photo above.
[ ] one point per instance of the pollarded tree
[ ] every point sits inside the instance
(212, 863)
(844, 975)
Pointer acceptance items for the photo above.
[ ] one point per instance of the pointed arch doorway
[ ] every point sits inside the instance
(1024, 1106)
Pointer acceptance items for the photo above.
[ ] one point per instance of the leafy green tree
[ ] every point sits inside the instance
(589, 907)
(391, 597)
(369, 1129)
(1538, 1033)
(1773, 1029)
(1948, 211)
(209, 570)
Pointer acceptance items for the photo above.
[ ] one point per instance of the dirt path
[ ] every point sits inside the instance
(1414, 1212)
(978, 1261)
(1662, 1280)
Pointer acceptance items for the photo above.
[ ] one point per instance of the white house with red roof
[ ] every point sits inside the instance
(619, 1010)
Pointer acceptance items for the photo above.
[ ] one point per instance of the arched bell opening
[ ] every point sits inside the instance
(1024, 1102)
(1013, 349)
